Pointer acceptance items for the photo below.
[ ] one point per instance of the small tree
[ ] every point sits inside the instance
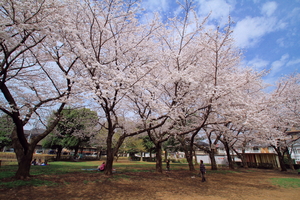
(75, 129)
(6, 127)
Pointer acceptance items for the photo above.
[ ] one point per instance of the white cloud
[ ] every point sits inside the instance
(220, 9)
(281, 42)
(249, 31)
(258, 64)
(269, 8)
(155, 5)
(293, 62)
(278, 64)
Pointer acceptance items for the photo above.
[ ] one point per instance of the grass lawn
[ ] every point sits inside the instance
(138, 180)
(55, 168)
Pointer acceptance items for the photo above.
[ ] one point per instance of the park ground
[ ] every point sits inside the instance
(143, 183)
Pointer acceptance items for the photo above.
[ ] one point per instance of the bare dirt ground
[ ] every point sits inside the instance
(251, 184)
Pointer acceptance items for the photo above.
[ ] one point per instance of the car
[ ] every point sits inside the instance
(87, 154)
(51, 152)
(10, 150)
(39, 151)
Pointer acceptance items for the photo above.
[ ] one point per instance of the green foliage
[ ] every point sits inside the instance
(73, 129)
(133, 145)
(286, 182)
(172, 145)
(6, 127)
(148, 144)
(180, 160)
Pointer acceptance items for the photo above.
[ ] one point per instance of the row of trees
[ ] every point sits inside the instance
(168, 78)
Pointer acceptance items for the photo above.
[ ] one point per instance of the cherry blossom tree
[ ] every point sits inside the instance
(116, 52)
(280, 113)
(34, 69)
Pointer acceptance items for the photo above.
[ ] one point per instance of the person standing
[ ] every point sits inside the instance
(168, 165)
(202, 170)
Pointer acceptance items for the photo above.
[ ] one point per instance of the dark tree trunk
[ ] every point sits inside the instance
(109, 162)
(100, 155)
(243, 158)
(189, 159)
(158, 157)
(195, 156)
(281, 161)
(280, 158)
(109, 154)
(58, 154)
(213, 162)
(24, 158)
(229, 158)
(76, 150)
(24, 163)
(291, 164)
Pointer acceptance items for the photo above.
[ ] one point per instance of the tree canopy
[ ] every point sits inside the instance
(169, 78)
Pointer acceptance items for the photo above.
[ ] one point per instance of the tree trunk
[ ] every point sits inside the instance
(58, 154)
(243, 158)
(76, 150)
(281, 160)
(109, 154)
(291, 164)
(24, 161)
(109, 162)
(194, 152)
(189, 158)
(213, 162)
(158, 157)
(24, 158)
(229, 159)
(24, 166)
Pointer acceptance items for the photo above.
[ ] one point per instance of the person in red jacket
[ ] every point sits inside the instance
(102, 167)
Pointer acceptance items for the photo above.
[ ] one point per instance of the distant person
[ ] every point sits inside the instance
(39, 162)
(202, 170)
(168, 165)
(102, 167)
(34, 162)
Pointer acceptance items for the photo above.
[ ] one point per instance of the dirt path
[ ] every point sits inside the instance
(183, 185)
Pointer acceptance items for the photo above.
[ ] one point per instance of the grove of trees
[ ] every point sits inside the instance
(167, 78)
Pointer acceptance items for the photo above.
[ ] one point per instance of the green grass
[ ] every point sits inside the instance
(9, 171)
(53, 168)
(221, 171)
(32, 182)
(286, 182)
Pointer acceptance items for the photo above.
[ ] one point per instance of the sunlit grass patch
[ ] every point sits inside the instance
(286, 182)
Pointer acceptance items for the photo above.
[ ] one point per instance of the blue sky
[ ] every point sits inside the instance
(268, 32)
